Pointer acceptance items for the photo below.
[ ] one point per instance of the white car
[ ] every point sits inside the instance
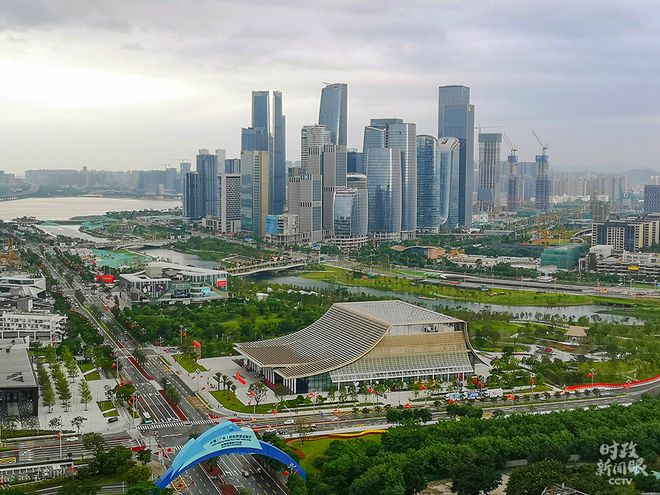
(288, 422)
(71, 439)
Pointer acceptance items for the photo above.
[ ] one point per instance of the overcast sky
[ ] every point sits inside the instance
(142, 83)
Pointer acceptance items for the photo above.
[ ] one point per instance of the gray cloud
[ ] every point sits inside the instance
(582, 73)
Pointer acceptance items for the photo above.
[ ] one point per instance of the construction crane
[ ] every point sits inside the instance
(514, 148)
(544, 146)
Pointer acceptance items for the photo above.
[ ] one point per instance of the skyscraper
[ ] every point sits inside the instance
(514, 184)
(312, 136)
(651, 198)
(329, 163)
(333, 112)
(258, 137)
(254, 191)
(305, 199)
(384, 186)
(355, 162)
(397, 134)
(350, 217)
(278, 175)
(489, 171)
(229, 198)
(207, 168)
(437, 166)
(456, 119)
(192, 196)
(543, 185)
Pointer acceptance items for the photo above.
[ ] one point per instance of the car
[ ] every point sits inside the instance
(270, 430)
(71, 439)
(288, 422)
(360, 425)
(245, 473)
(113, 419)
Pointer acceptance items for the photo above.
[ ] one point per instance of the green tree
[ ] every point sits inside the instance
(137, 474)
(79, 487)
(144, 456)
(85, 393)
(77, 422)
(296, 485)
(384, 479)
(281, 391)
(534, 478)
(257, 391)
(94, 442)
(474, 477)
(148, 488)
(124, 391)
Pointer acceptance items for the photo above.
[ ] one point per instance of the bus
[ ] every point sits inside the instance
(146, 418)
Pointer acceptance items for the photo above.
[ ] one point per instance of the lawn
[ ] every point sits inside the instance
(107, 409)
(313, 448)
(188, 364)
(229, 400)
(495, 296)
(93, 376)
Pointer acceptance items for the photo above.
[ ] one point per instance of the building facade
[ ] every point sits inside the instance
(229, 203)
(329, 163)
(651, 199)
(333, 112)
(278, 177)
(456, 119)
(207, 170)
(312, 136)
(384, 187)
(543, 184)
(489, 171)
(254, 192)
(193, 207)
(629, 234)
(37, 325)
(437, 165)
(305, 199)
(351, 213)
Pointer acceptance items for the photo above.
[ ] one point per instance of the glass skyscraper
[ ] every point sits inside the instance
(489, 171)
(333, 112)
(192, 197)
(384, 186)
(437, 166)
(543, 185)
(207, 168)
(456, 119)
(397, 134)
(278, 170)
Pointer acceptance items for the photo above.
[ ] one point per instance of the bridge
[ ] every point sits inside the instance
(266, 266)
(144, 244)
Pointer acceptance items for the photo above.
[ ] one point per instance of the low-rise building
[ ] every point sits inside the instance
(284, 229)
(38, 325)
(563, 257)
(162, 281)
(22, 284)
(18, 382)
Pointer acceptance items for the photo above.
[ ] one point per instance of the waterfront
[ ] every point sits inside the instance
(70, 207)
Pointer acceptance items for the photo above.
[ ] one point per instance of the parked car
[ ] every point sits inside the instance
(113, 419)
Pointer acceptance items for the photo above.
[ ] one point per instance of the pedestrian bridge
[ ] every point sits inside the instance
(266, 266)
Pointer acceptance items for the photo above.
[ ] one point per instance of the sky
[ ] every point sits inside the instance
(140, 84)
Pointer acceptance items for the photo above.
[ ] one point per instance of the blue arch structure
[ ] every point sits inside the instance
(225, 438)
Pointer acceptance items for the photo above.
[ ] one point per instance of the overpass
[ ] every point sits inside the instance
(266, 266)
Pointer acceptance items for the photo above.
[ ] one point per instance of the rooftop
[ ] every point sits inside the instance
(16, 369)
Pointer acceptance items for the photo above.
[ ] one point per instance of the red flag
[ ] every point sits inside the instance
(197, 344)
(184, 334)
(408, 405)
(590, 374)
(370, 390)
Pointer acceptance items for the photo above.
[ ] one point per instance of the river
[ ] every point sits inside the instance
(69, 207)
(567, 311)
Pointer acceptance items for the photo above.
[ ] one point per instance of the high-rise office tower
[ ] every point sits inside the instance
(437, 164)
(355, 162)
(254, 191)
(184, 168)
(222, 157)
(384, 186)
(400, 135)
(351, 212)
(449, 150)
(312, 136)
(329, 163)
(233, 166)
(489, 171)
(543, 184)
(456, 119)
(278, 172)
(514, 189)
(192, 196)
(305, 199)
(207, 168)
(333, 112)
(229, 203)
(651, 198)
(258, 137)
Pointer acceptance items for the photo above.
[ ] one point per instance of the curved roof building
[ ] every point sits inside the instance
(364, 341)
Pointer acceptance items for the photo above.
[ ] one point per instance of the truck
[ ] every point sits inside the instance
(494, 392)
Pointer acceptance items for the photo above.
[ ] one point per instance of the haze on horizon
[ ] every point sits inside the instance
(137, 84)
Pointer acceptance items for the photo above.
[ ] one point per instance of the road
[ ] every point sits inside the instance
(168, 431)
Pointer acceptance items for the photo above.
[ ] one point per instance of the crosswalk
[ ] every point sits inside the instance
(174, 424)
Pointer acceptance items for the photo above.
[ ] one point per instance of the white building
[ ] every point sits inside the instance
(38, 325)
(23, 285)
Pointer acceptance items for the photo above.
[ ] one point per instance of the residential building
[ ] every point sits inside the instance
(384, 186)
(651, 198)
(193, 207)
(312, 136)
(456, 119)
(333, 112)
(628, 234)
(254, 192)
(489, 171)
(365, 342)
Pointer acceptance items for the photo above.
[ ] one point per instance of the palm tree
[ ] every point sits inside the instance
(218, 378)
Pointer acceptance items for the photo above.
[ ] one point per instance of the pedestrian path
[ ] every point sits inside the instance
(174, 424)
